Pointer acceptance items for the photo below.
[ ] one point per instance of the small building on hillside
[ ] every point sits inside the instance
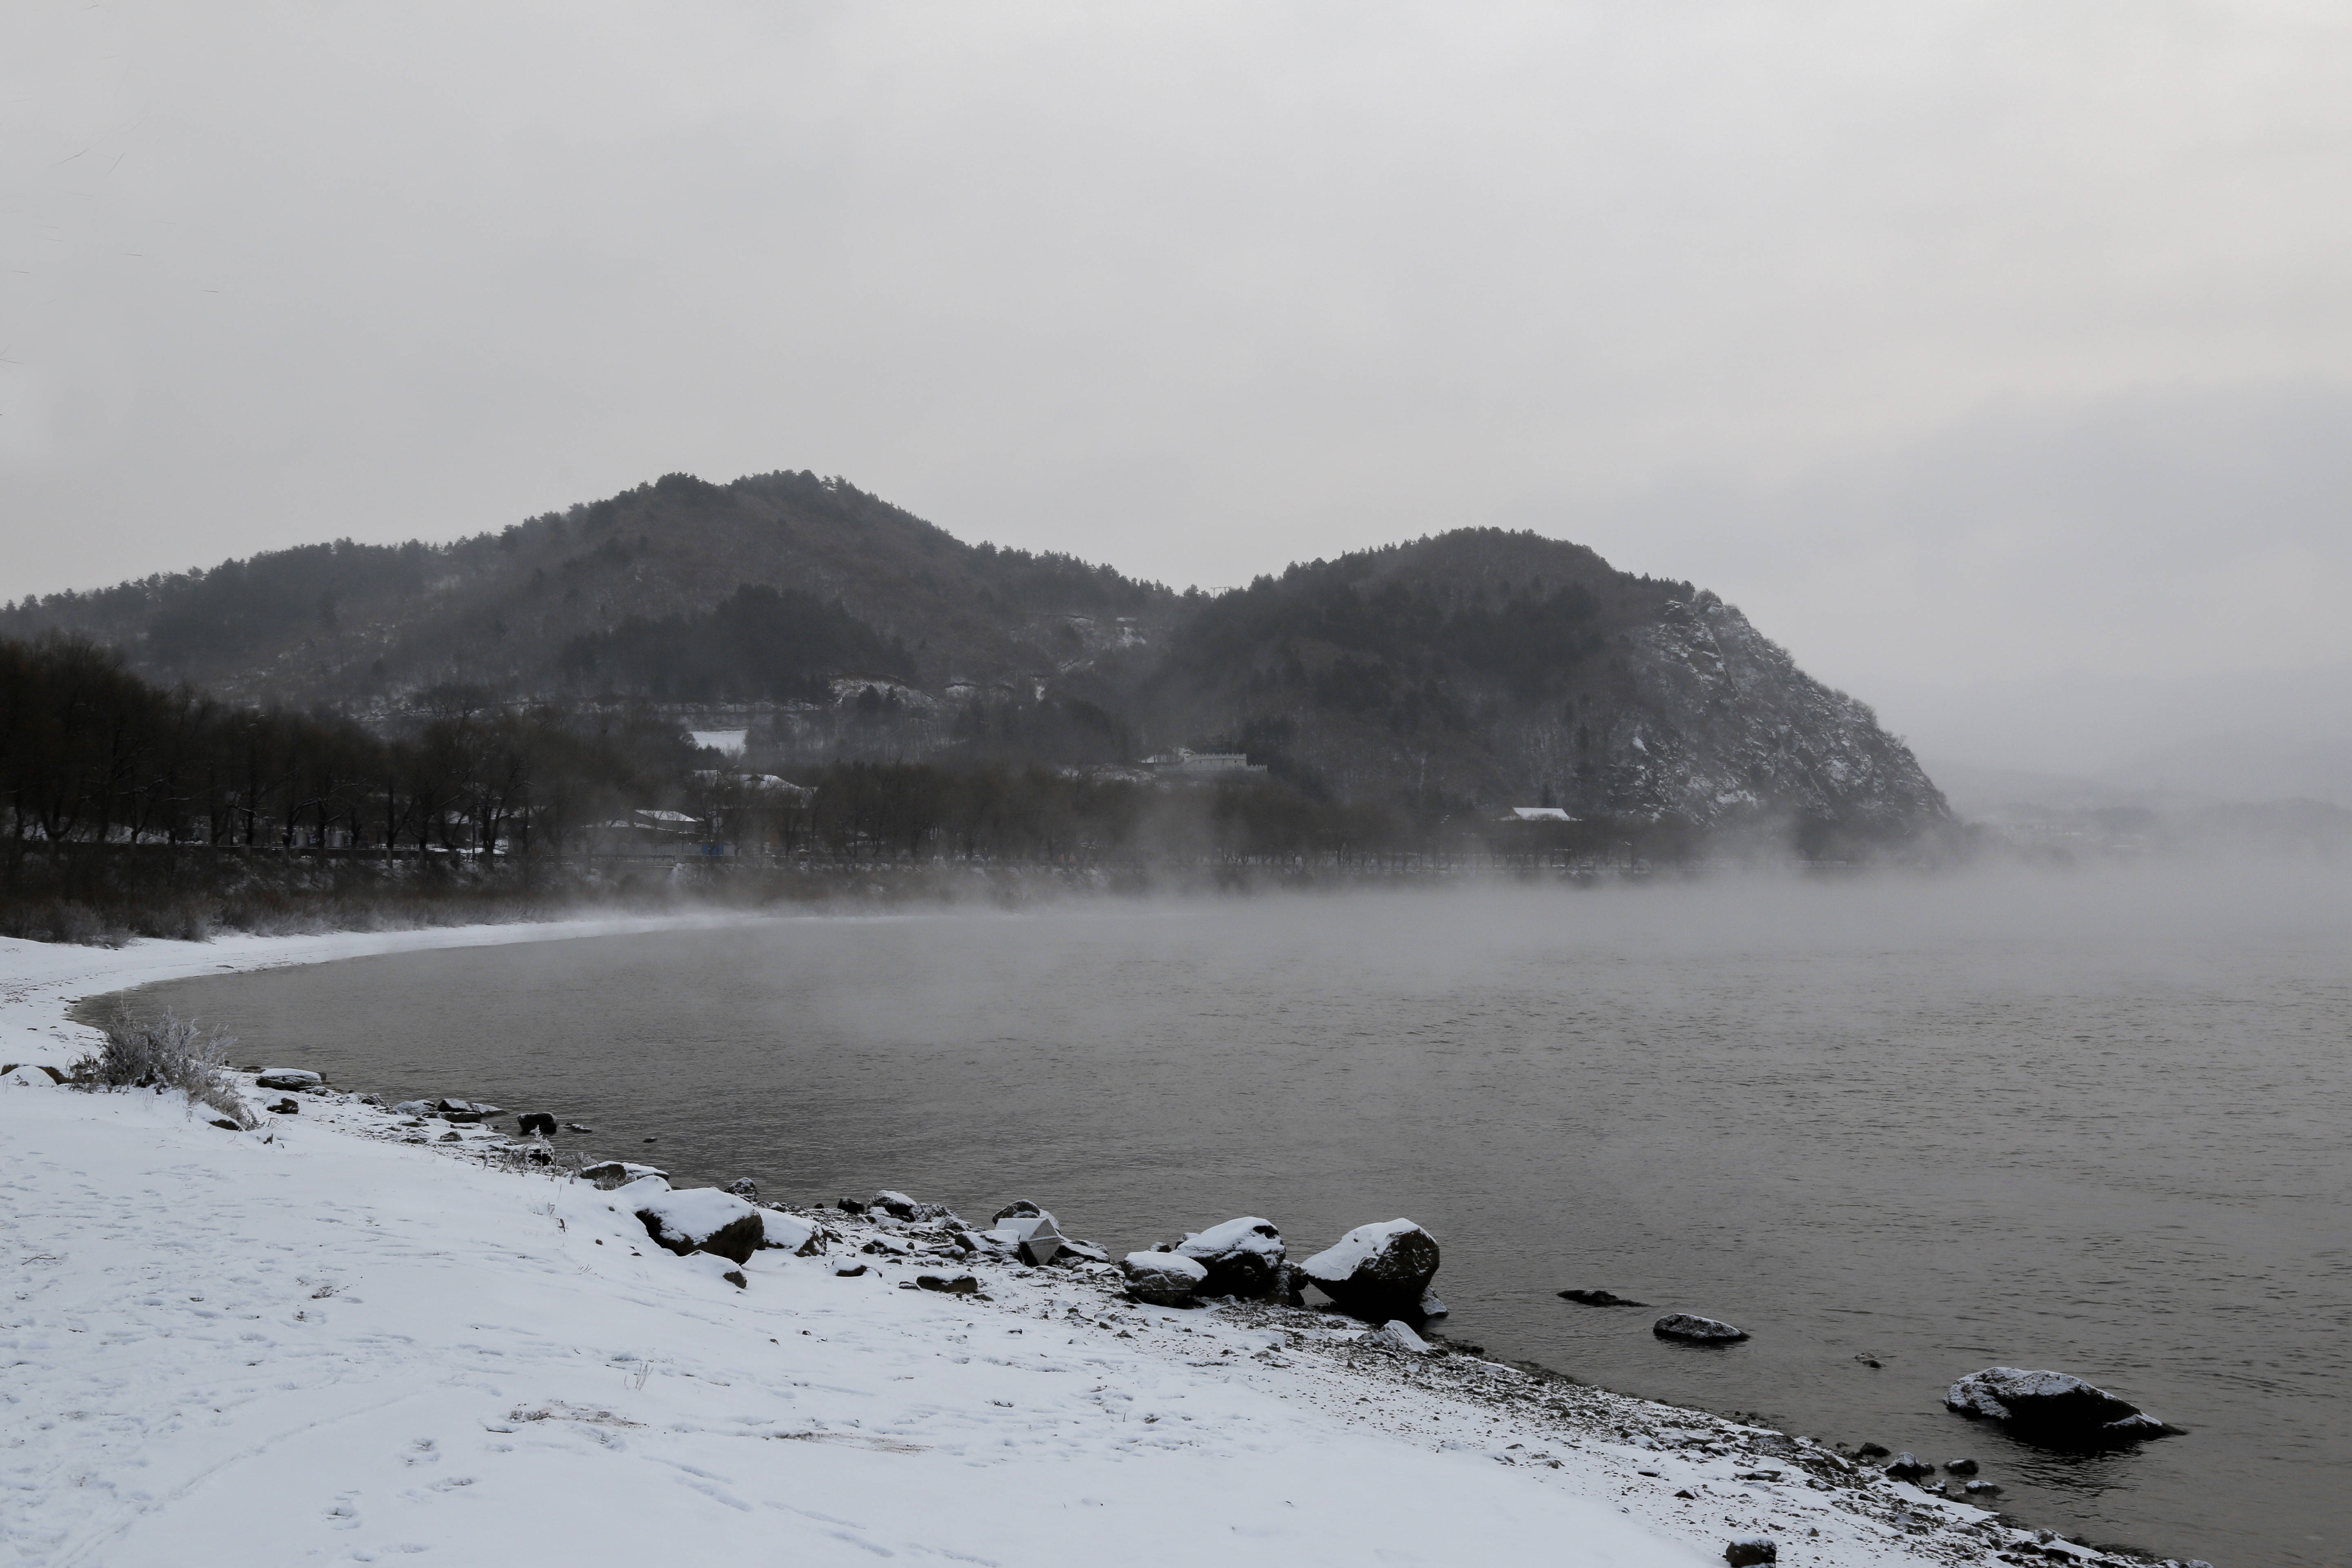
(1184, 763)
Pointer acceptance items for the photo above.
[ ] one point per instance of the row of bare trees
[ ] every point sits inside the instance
(95, 760)
(91, 754)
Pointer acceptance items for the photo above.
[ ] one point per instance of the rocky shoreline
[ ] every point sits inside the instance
(1709, 1461)
(1732, 1490)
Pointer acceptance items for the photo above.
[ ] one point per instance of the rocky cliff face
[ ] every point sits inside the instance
(1514, 670)
(1722, 722)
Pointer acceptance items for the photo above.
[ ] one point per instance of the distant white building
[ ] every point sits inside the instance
(726, 742)
(1189, 763)
(767, 785)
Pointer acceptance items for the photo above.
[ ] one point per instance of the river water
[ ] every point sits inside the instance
(2095, 1123)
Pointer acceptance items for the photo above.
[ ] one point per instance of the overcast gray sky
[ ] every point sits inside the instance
(1958, 343)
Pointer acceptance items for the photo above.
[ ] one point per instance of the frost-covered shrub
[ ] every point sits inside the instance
(39, 918)
(169, 1052)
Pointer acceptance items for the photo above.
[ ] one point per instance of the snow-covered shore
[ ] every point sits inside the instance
(317, 1341)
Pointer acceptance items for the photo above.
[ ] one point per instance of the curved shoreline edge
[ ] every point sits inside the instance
(319, 1340)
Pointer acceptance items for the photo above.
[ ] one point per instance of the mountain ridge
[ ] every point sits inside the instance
(1477, 666)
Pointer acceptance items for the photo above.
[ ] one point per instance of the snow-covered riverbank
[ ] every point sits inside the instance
(317, 1341)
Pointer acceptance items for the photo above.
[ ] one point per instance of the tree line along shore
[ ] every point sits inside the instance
(135, 809)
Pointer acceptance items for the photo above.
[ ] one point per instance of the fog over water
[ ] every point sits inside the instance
(2091, 1121)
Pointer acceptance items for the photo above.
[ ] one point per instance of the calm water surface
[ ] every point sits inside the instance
(2098, 1124)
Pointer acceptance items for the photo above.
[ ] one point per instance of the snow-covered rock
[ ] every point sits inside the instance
(1377, 1271)
(1397, 1335)
(1696, 1329)
(612, 1174)
(32, 1076)
(1910, 1468)
(788, 1233)
(897, 1206)
(1029, 1232)
(1032, 1237)
(743, 1187)
(1749, 1551)
(1163, 1278)
(416, 1108)
(287, 1077)
(2052, 1406)
(700, 1219)
(949, 1284)
(1243, 1257)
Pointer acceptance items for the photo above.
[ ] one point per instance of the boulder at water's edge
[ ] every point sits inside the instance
(1163, 1278)
(1377, 1271)
(1243, 1257)
(1692, 1328)
(2053, 1407)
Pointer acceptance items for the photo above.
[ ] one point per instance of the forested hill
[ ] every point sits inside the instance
(642, 592)
(1473, 669)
